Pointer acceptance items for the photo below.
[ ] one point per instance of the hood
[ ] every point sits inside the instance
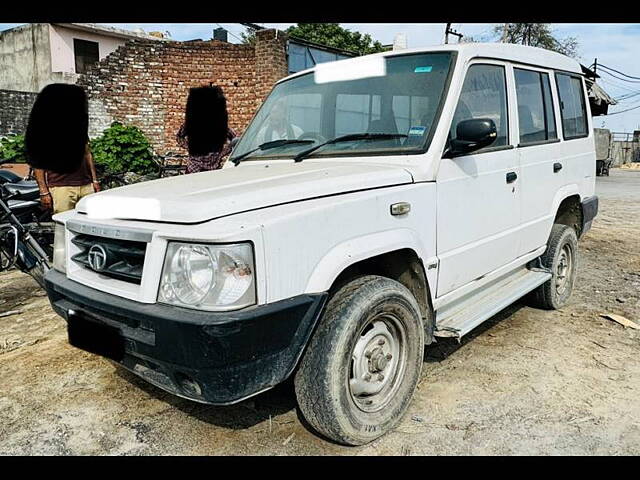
(204, 196)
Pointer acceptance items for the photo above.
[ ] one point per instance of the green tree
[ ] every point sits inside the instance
(12, 148)
(249, 36)
(123, 148)
(333, 35)
(536, 35)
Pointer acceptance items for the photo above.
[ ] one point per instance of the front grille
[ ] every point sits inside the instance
(120, 259)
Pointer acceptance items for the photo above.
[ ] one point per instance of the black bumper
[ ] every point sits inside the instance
(216, 358)
(589, 212)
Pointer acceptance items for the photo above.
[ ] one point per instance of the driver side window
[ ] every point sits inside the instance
(484, 95)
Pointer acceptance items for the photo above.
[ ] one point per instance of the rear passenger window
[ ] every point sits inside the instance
(535, 107)
(484, 95)
(572, 106)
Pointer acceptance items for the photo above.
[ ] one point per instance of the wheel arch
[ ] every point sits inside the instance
(393, 255)
(569, 213)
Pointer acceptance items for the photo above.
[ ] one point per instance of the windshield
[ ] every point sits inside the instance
(403, 102)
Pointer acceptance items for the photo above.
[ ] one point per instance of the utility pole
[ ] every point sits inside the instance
(448, 31)
(595, 66)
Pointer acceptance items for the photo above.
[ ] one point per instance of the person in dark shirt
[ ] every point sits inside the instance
(62, 191)
(206, 133)
(57, 146)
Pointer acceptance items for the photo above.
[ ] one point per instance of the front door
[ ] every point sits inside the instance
(478, 206)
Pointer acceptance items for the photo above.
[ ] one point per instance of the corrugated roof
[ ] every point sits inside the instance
(598, 94)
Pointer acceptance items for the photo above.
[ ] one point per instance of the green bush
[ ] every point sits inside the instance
(12, 148)
(122, 148)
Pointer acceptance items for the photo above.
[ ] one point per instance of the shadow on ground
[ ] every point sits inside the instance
(281, 399)
(445, 347)
(246, 414)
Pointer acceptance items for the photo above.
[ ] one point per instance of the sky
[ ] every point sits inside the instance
(614, 45)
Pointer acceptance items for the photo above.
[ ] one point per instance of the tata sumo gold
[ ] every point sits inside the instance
(372, 205)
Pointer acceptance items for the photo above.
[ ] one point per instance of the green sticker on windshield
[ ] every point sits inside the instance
(423, 69)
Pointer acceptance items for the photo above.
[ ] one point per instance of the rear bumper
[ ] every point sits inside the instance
(589, 212)
(216, 358)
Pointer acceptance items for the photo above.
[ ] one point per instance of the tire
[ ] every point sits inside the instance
(37, 273)
(360, 315)
(561, 257)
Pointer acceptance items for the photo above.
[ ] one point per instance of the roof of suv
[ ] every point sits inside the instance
(501, 51)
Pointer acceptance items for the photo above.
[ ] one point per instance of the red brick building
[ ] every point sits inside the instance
(146, 83)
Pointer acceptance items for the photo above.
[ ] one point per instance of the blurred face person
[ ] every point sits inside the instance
(57, 145)
(206, 133)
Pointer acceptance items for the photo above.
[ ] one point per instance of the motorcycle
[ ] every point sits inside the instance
(23, 189)
(26, 231)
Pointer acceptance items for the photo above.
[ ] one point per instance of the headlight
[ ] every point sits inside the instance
(208, 277)
(60, 248)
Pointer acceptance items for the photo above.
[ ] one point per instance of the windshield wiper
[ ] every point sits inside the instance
(348, 138)
(268, 146)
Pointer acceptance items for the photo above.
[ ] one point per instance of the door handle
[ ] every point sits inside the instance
(557, 167)
(512, 177)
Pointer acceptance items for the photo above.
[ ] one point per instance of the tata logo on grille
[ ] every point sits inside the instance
(97, 258)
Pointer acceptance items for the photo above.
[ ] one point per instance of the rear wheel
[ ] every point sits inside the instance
(561, 257)
(363, 363)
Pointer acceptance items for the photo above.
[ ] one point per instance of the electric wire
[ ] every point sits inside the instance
(626, 97)
(622, 111)
(617, 71)
(617, 85)
(230, 33)
(620, 78)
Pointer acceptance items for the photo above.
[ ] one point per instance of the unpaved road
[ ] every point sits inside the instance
(526, 382)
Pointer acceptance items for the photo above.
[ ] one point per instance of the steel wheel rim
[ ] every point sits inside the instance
(564, 269)
(378, 362)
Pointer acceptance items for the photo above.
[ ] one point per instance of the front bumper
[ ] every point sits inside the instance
(216, 358)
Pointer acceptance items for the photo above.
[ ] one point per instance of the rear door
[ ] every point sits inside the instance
(578, 146)
(540, 151)
(478, 208)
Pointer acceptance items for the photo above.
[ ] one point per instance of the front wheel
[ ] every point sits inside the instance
(363, 363)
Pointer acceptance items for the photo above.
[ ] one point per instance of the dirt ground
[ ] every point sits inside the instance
(525, 382)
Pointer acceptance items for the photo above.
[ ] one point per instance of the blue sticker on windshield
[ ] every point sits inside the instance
(417, 130)
(423, 69)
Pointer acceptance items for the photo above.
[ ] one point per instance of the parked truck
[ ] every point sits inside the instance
(372, 206)
(603, 141)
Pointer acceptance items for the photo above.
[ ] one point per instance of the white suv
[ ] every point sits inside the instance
(372, 205)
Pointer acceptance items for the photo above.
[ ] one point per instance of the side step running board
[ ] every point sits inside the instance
(464, 315)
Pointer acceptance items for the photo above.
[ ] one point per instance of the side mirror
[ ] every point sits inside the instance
(234, 142)
(472, 135)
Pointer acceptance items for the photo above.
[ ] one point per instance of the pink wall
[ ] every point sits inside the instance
(61, 41)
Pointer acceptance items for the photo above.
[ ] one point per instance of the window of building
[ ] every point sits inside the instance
(572, 106)
(535, 107)
(86, 54)
(484, 95)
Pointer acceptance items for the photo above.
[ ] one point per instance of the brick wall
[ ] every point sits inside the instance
(14, 111)
(146, 83)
